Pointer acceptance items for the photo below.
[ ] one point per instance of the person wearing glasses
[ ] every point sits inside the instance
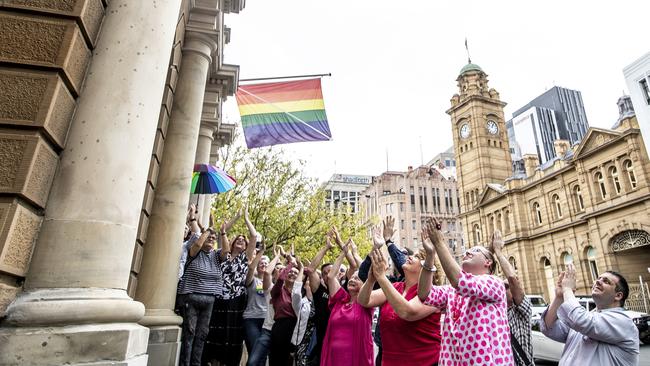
(476, 330)
(605, 336)
(520, 310)
(402, 312)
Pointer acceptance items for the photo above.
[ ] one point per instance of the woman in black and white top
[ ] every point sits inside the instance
(202, 280)
(226, 336)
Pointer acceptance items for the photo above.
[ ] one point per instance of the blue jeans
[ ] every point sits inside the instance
(260, 349)
(252, 330)
(196, 310)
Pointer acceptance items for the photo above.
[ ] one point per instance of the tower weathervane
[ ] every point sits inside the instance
(469, 59)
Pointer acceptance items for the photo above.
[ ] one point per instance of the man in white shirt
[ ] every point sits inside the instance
(605, 336)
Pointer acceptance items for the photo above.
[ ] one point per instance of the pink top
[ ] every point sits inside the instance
(405, 342)
(476, 328)
(348, 340)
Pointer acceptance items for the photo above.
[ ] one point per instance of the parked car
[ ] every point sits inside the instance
(547, 349)
(538, 304)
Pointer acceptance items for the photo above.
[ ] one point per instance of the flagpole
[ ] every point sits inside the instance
(288, 77)
(329, 138)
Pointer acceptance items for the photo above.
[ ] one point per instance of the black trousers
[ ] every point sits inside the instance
(281, 346)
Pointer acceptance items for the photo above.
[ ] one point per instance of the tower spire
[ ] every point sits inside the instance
(469, 59)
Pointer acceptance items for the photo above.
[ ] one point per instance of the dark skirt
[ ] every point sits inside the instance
(226, 335)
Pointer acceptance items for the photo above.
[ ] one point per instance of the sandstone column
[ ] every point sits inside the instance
(80, 267)
(204, 146)
(158, 279)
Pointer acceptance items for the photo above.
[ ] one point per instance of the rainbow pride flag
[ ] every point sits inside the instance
(283, 113)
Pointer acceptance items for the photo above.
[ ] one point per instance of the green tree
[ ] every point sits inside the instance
(285, 206)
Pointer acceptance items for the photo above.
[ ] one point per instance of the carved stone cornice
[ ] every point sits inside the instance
(227, 77)
(224, 134)
(233, 6)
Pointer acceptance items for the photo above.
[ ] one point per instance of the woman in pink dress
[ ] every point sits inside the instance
(348, 340)
(476, 330)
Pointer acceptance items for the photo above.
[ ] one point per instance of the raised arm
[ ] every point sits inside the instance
(515, 285)
(377, 242)
(354, 251)
(268, 274)
(252, 266)
(332, 277)
(368, 297)
(314, 280)
(408, 310)
(192, 219)
(225, 243)
(336, 237)
(394, 251)
(427, 273)
(194, 249)
(449, 265)
(550, 316)
(252, 235)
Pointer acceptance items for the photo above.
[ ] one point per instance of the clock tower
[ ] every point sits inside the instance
(480, 136)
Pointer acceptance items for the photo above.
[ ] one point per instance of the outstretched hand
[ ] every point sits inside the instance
(559, 290)
(389, 228)
(426, 242)
(433, 231)
(377, 237)
(569, 280)
(497, 244)
(379, 264)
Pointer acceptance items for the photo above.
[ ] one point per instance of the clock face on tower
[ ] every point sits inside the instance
(464, 131)
(492, 127)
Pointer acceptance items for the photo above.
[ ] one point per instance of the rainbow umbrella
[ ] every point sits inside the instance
(208, 179)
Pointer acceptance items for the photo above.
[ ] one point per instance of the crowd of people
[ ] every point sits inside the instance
(293, 311)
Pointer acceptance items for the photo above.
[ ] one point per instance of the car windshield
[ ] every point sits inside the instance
(537, 301)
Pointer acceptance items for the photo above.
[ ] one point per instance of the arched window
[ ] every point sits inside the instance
(506, 221)
(591, 259)
(513, 262)
(500, 222)
(558, 206)
(600, 181)
(613, 172)
(477, 234)
(566, 259)
(491, 227)
(580, 203)
(537, 211)
(630, 173)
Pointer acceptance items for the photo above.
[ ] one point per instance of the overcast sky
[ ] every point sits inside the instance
(394, 65)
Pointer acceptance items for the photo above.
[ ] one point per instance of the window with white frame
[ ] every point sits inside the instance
(558, 206)
(600, 181)
(537, 211)
(613, 172)
(630, 173)
(580, 203)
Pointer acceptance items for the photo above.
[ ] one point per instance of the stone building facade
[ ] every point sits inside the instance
(105, 105)
(587, 206)
(412, 197)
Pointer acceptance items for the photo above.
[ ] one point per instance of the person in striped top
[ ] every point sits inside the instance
(201, 281)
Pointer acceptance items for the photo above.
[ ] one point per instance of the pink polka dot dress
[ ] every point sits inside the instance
(476, 331)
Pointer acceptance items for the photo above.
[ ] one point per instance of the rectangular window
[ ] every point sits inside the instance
(413, 224)
(437, 200)
(446, 200)
(645, 90)
(401, 224)
(421, 199)
(412, 199)
(451, 200)
(426, 203)
(401, 207)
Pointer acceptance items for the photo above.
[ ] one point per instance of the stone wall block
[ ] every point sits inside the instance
(27, 165)
(7, 295)
(18, 231)
(36, 99)
(152, 177)
(172, 78)
(158, 146)
(89, 12)
(137, 257)
(40, 41)
(163, 119)
(142, 228)
(148, 199)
